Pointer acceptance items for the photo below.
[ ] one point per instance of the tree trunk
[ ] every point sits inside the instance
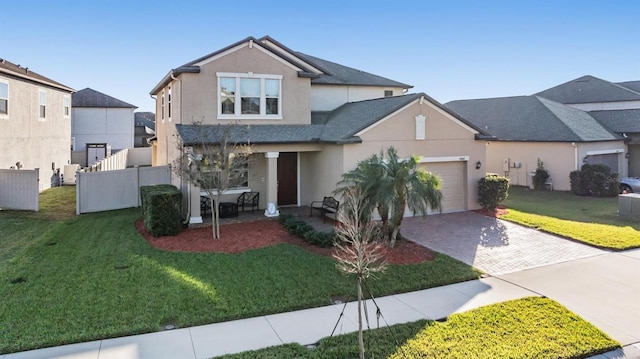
(360, 336)
(397, 221)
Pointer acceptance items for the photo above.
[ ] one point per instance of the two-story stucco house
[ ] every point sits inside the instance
(100, 125)
(35, 122)
(310, 121)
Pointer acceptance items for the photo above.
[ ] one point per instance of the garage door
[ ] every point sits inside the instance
(610, 160)
(453, 179)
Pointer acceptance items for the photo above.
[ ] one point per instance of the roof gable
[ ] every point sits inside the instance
(92, 98)
(589, 89)
(531, 118)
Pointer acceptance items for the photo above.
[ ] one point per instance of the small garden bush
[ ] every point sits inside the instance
(541, 176)
(492, 190)
(305, 231)
(161, 212)
(594, 180)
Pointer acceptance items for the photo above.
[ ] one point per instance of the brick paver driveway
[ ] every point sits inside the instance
(492, 245)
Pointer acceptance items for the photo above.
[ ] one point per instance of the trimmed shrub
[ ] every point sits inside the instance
(306, 232)
(492, 190)
(594, 180)
(162, 209)
(541, 176)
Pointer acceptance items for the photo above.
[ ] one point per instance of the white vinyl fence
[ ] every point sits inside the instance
(109, 190)
(125, 158)
(19, 189)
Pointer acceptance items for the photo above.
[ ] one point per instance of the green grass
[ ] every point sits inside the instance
(586, 219)
(93, 276)
(525, 328)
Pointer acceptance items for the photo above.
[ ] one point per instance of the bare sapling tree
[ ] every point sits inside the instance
(359, 251)
(214, 159)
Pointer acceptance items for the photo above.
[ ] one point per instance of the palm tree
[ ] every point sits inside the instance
(391, 184)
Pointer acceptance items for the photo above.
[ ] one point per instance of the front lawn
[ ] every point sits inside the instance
(526, 328)
(93, 276)
(586, 219)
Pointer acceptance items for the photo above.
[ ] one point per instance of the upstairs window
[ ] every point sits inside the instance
(4, 98)
(43, 104)
(162, 106)
(169, 103)
(66, 106)
(388, 93)
(249, 96)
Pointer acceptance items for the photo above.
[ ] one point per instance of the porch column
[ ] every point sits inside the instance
(193, 202)
(272, 184)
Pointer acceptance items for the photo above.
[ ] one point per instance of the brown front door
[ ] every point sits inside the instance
(287, 178)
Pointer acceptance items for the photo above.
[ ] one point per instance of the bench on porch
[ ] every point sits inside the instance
(326, 206)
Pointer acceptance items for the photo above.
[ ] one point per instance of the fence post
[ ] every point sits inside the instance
(78, 186)
(137, 183)
(37, 194)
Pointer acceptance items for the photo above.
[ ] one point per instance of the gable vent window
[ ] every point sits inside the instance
(4, 98)
(420, 127)
(388, 93)
(249, 96)
(162, 106)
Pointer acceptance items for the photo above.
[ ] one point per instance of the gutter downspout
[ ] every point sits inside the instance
(575, 155)
(188, 218)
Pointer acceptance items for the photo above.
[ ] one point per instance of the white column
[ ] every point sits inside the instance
(272, 184)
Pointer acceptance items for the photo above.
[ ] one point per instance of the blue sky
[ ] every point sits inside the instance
(449, 49)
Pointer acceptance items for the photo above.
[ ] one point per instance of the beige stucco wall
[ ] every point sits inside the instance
(34, 142)
(559, 158)
(200, 92)
(329, 97)
(445, 139)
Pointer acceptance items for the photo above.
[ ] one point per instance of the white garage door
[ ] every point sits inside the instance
(452, 175)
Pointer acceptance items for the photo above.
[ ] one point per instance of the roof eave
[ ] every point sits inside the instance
(38, 81)
(174, 73)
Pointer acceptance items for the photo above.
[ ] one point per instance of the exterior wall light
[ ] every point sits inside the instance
(478, 165)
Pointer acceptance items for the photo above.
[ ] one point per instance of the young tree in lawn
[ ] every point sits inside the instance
(213, 160)
(391, 184)
(357, 249)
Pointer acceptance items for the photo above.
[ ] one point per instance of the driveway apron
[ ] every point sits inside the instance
(492, 245)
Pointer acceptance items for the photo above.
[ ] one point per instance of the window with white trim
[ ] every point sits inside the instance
(162, 106)
(238, 179)
(169, 103)
(66, 106)
(249, 96)
(4, 98)
(42, 97)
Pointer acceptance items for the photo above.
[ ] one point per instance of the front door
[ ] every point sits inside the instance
(287, 178)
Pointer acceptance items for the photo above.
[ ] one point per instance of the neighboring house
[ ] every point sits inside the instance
(615, 105)
(528, 128)
(145, 128)
(310, 121)
(35, 123)
(101, 125)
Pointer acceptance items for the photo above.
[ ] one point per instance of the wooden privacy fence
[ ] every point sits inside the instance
(19, 189)
(109, 190)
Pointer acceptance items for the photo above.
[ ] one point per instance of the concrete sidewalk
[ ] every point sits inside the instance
(303, 326)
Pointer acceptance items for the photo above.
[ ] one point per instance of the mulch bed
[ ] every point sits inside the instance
(240, 237)
(496, 213)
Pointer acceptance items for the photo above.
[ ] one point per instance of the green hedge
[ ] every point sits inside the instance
(594, 180)
(492, 190)
(305, 231)
(161, 209)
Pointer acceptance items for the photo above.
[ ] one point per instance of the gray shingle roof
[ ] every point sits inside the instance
(631, 85)
(588, 89)
(147, 119)
(12, 69)
(531, 118)
(336, 74)
(338, 126)
(92, 98)
(620, 121)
